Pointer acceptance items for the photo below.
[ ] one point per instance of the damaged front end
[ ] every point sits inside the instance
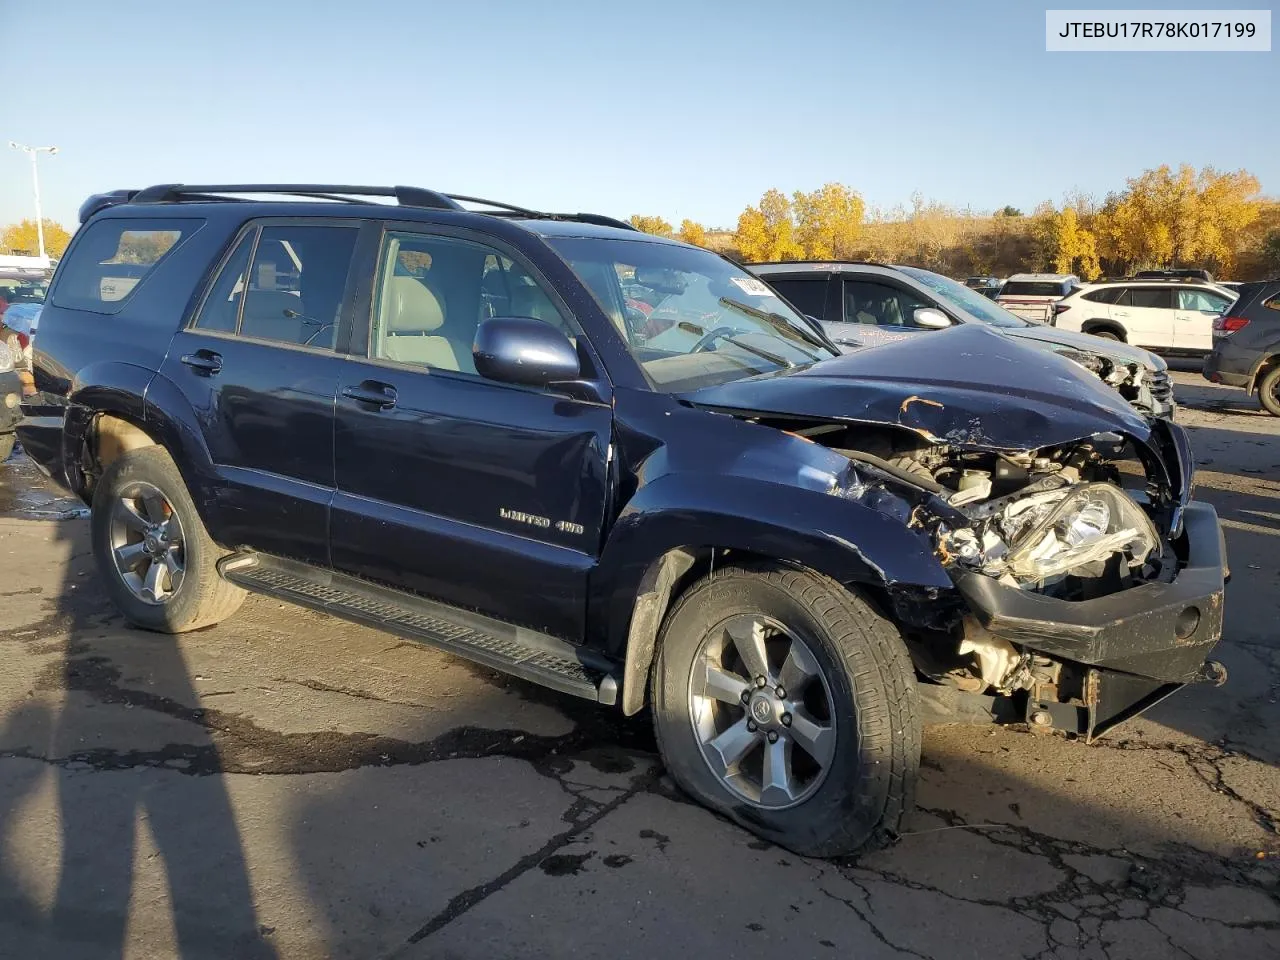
(1092, 584)
(1088, 583)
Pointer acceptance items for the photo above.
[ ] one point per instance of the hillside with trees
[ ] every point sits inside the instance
(1162, 218)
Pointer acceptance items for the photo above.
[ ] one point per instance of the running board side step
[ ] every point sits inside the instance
(522, 653)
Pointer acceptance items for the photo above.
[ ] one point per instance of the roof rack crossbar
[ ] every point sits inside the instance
(405, 196)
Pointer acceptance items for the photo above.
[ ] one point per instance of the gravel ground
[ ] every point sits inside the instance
(287, 785)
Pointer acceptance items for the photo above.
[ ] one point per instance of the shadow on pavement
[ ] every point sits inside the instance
(112, 804)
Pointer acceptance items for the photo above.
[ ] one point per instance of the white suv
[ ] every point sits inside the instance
(1171, 316)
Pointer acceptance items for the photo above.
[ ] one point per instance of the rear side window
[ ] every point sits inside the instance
(1160, 298)
(112, 258)
(806, 294)
(1105, 295)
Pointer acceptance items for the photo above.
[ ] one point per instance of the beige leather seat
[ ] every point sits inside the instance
(264, 316)
(411, 314)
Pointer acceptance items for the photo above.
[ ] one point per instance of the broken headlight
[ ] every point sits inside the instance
(1071, 530)
(1091, 523)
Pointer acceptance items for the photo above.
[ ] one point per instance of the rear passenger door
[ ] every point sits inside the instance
(486, 496)
(257, 365)
(1147, 315)
(1193, 319)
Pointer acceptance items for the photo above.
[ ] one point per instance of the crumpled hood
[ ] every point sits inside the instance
(967, 386)
(1087, 343)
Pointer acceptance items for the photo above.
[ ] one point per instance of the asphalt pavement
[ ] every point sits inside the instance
(288, 785)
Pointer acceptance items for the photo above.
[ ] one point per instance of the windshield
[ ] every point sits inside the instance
(970, 301)
(690, 318)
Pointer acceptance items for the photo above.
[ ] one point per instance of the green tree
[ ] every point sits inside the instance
(22, 238)
(654, 225)
(1008, 212)
(1271, 250)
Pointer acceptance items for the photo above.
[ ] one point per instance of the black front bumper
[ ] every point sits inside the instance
(1159, 631)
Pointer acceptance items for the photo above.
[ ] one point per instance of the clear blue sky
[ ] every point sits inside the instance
(685, 109)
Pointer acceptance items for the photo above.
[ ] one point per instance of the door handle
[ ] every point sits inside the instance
(204, 362)
(381, 395)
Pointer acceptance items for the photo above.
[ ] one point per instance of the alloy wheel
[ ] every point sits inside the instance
(762, 711)
(147, 543)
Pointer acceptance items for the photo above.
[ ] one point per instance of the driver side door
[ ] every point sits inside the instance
(483, 495)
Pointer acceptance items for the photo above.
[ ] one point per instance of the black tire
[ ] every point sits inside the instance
(7, 441)
(1268, 388)
(870, 781)
(203, 598)
(1105, 335)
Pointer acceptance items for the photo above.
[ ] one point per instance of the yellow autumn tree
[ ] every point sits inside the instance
(1169, 218)
(654, 225)
(22, 238)
(691, 232)
(767, 232)
(828, 221)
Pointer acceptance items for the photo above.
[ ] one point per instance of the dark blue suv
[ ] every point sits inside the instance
(621, 467)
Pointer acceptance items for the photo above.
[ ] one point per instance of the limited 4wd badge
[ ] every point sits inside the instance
(564, 526)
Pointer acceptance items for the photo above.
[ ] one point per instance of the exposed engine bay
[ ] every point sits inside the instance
(1074, 522)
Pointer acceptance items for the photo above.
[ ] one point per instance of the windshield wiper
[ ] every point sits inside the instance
(729, 338)
(777, 321)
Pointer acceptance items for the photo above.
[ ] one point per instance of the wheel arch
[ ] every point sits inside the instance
(650, 560)
(1096, 325)
(1266, 363)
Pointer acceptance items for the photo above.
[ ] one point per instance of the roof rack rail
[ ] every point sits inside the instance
(405, 196)
(345, 193)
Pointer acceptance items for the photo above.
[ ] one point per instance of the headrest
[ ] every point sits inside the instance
(410, 306)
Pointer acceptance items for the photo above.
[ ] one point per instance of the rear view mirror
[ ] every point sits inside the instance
(523, 350)
(930, 318)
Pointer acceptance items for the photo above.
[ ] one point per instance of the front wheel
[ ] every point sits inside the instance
(787, 703)
(1269, 391)
(152, 549)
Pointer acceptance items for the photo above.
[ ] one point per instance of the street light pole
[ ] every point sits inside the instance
(33, 153)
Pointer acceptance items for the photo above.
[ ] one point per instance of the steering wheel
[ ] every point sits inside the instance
(707, 339)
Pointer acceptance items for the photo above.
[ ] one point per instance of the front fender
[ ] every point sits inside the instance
(844, 539)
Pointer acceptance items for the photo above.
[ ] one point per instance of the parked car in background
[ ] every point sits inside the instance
(10, 400)
(989, 287)
(865, 304)
(1169, 316)
(1032, 295)
(1187, 273)
(1246, 344)
(445, 423)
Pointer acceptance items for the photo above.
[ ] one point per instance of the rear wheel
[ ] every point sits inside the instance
(1105, 334)
(152, 549)
(1269, 391)
(786, 703)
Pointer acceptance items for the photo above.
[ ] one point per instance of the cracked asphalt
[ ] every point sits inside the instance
(287, 785)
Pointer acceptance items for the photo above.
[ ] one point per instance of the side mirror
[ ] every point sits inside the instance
(523, 350)
(930, 318)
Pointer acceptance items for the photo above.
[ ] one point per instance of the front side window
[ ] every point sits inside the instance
(433, 292)
(880, 304)
(961, 297)
(112, 257)
(689, 317)
(1202, 300)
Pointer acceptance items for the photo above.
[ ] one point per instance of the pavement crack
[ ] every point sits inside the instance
(864, 916)
(468, 899)
(321, 687)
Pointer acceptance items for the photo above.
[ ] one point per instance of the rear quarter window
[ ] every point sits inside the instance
(112, 257)
(1028, 288)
